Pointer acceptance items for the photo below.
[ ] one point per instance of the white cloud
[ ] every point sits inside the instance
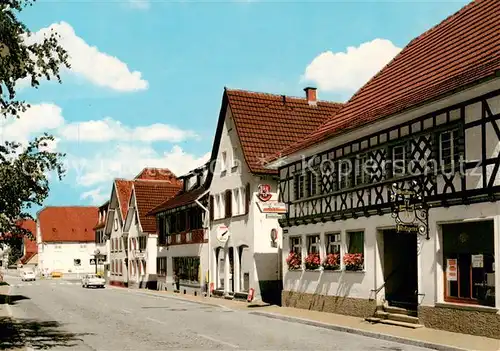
(109, 129)
(44, 117)
(348, 71)
(97, 196)
(127, 160)
(88, 62)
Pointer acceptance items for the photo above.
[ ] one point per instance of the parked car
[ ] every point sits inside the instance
(93, 280)
(56, 274)
(28, 276)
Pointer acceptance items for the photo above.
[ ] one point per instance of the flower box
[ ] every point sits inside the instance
(331, 262)
(293, 261)
(312, 261)
(353, 262)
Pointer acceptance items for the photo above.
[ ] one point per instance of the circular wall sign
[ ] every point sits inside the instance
(223, 234)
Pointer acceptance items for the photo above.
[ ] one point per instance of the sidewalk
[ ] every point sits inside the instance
(10, 335)
(423, 337)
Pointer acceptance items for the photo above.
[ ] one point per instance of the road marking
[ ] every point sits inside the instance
(126, 311)
(219, 341)
(156, 320)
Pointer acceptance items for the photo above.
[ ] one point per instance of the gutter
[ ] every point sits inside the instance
(207, 227)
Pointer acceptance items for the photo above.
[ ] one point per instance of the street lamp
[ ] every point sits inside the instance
(96, 253)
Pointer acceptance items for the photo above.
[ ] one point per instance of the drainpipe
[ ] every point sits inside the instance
(207, 220)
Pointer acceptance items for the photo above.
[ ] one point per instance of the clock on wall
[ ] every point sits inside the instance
(223, 234)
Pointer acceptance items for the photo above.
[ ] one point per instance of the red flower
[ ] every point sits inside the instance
(353, 262)
(312, 261)
(332, 261)
(293, 261)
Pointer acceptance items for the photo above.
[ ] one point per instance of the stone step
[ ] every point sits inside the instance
(397, 317)
(395, 323)
(400, 310)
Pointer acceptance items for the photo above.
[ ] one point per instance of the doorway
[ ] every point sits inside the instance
(231, 269)
(400, 269)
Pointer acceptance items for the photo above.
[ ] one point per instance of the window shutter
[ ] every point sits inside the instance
(248, 199)
(229, 204)
(211, 205)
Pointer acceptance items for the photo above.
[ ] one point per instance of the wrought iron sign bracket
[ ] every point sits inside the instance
(409, 209)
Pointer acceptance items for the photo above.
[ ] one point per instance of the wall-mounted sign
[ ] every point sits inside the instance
(274, 235)
(451, 269)
(264, 193)
(92, 261)
(274, 215)
(408, 209)
(272, 207)
(477, 261)
(223, 234)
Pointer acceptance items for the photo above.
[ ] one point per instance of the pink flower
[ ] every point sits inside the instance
(353, 262)
(293, 261)
(312, 261)
(332, 261)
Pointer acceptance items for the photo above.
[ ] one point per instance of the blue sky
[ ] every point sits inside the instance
(162, 66)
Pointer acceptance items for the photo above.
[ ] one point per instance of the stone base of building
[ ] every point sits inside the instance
(327, 303)
(118, 283)
(150, 284)
(183, 289)
(461, 319)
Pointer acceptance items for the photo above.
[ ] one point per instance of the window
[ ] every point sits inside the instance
(333, 243)
(178, 238)
(77, 262)
(187, 268)
(355, 242)
(344, 174)
(448, 148)
(142, 243)
(228, 201)
(235, 159)
(312, 183)
(300, 185)
(296, 245)
(313, 244)
(223, 162)
(469, 262)
(236, 201)
(220, 206)
(189, 236)
(362, 175)
(116, 224)
(169, 239)
(398, 161)
(161, 266)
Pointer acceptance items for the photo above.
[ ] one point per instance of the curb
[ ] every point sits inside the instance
(164, 296)
(350, 330)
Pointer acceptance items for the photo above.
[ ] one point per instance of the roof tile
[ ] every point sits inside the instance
(68, 224)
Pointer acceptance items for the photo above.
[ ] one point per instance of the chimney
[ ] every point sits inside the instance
(311, 95)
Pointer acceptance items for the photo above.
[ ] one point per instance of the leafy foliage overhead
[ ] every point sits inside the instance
(24, 169)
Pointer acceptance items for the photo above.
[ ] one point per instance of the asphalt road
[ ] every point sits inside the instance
(58, 315)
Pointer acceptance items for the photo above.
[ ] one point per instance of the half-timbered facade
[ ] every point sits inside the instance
(182, 236)
(245, 238)
(396, 196)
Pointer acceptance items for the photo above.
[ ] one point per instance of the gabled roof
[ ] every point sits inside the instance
(27, 257)
(67, 223)
(123, 191)
(461, 50)
(267, 123)
(151, 173)
(149, 194)
(180, 199)
(29, 244)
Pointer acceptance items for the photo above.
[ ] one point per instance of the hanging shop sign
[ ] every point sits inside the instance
(477, 261)
(272, 207)
(264, 193)
(409, 210)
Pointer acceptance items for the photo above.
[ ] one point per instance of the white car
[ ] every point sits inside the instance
(28, 276)
(93, 280)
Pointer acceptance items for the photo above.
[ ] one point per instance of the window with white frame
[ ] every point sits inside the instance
(356, 242)
(300, 186)
(169, 239)
(362, 175)
(333, 243)
(189, 236)
(223, 161)
(313, 244)
(237, 201)
(313, 183)
(344, 174)
(448, 148)
(83, 246)
(235, 158)
(296, 245)
(222, 206)
(178, 238)
(398, 160)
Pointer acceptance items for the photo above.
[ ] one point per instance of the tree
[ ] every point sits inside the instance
(24, 169)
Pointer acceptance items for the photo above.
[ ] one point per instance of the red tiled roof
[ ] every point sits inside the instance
(29, 244)
(267, 123)
(29, 255)
(181, 199)
(123, 191)
(461, 50)
(68, 224)
(156, 174)
(149, 194)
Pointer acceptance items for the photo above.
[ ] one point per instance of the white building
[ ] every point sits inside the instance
(141, 230)
(430, 108)
(244, 240)
(183, 239)
(65, 240)
(101, 243)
